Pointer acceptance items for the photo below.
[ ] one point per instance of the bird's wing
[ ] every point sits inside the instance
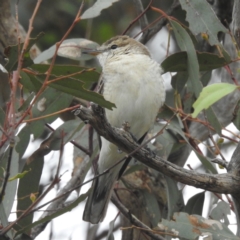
(127, 161)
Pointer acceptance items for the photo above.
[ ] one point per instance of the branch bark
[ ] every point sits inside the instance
(219, 183)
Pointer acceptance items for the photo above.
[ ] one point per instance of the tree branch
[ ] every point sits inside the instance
(133, 219)
(220, 183)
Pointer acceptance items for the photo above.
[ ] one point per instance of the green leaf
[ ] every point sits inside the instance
(177, 62)
(192, 226)
(174, 197)
(202, 19)
(25, 188)
(49, 102)
(28, 83)
(76, 88)
(11, 187)
(27, 102)
(24, 138)
(213, 120)
(210, 95)
(152, 207)
(18, 176)
(12, 53)
(2, 117)
(236, 116)
(220, 212)
(85, 75)
(4, 222)
(206, 163)
(97, 7)
(195, 204)
(179, 81)
(110, 235)
(185, 44)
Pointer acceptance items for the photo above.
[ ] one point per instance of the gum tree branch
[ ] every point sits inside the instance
(227, 183)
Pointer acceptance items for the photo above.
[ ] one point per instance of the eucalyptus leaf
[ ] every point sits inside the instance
(195, 204)
(192, 226)
(185, 44)
(220, 212)
(202, 19)
(12, 53)
(210, 95)
(97, 7)
(33, 176)
(110, 235)
(76, 88)
(152, 207)
(177, 62)
(236, 116)
(174, 196)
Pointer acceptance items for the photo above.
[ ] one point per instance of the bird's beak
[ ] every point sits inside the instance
(93, 52)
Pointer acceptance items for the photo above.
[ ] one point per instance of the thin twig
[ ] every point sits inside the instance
(152, 31)
(137, 18)
(45, 83)
(139, 6)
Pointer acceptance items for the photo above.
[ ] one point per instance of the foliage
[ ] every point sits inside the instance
(43, 92)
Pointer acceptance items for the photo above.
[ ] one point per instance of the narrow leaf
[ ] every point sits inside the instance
(210, 95)
(96, 9)
(12, 52)
(202, 19)
(152, 207)
(177, 62)
(25, 189)
(76, 88)
(236, 116)
(195, 204)
(185, 44)
(192, 226)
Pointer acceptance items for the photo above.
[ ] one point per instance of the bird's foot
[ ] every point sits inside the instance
(151, 153)
(126, 126)
(96, 108)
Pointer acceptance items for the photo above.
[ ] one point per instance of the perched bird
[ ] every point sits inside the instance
(131, 80)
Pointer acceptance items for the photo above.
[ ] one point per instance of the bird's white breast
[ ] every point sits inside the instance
(134, 83)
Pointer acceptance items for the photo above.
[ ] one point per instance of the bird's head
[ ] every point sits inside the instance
(117, 46)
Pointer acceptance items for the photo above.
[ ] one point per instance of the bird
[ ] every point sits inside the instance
(133, 81)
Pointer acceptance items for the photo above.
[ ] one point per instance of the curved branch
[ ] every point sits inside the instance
(220, 183)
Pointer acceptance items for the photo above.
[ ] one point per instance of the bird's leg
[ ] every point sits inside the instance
(151, 154)
(126, 126)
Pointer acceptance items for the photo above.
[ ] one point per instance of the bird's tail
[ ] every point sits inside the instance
(99, 197)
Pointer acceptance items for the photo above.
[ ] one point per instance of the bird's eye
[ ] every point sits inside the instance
(114, 46)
